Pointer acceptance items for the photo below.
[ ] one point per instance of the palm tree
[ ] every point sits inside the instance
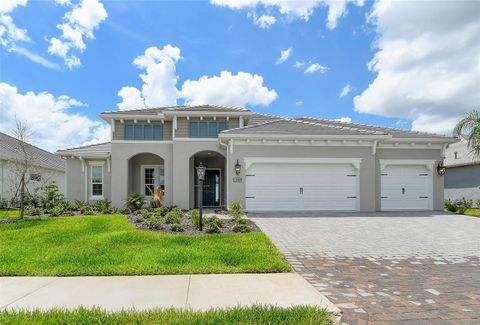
(469, 128)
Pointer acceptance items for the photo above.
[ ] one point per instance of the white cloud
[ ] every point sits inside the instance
(54, 125)
(298, 64)
(35, 57)
(160, 85)
(159, 80)
(299, 103)
(427, 69)
(10, 34)
(344, 119)
(296, 9)
(228, 89)
(284, 55)
(315, 67)
(345, 91)
(264, 21)
(78, 23)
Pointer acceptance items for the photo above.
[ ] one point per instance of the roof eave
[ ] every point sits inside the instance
(206, 113)
(302, 136)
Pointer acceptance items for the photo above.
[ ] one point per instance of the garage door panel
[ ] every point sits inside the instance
(301, 187)
(406, 187)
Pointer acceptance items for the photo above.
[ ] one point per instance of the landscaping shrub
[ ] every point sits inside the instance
(177, 227)
(236, 210)
(81, 206)
(154, 222)
(241, 226)
(161, 212)
(463, 205)
(32, 211)
(102, 206)
(478, 204)
(59, 210)
(135, 201)
(48, 195)
(88, 212)
(124, 211)
(195, 217)
(174, 216)
(450, 205)
(213, 225)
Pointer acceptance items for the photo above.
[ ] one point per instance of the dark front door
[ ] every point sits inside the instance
(211, 188)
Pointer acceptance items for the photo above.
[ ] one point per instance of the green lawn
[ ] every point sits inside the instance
(9, 214)
(472, 212)
(109, 245)
(252, 315)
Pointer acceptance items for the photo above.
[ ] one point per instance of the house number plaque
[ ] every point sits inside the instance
(237, 179)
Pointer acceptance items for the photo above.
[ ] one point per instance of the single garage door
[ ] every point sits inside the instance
(406, 187)
(291, 186)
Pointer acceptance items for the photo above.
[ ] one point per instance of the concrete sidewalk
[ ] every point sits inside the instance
(197, 292)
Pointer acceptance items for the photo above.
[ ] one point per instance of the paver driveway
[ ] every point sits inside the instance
(405, 268)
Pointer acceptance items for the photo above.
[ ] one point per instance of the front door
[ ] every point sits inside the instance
(150, 180)
(211, 188)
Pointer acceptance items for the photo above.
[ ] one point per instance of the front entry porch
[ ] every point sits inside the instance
(214, 183)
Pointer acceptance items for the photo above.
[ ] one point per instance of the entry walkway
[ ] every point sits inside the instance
(196, 292)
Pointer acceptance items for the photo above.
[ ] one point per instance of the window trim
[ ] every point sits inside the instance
(91, 165)
(157, 177)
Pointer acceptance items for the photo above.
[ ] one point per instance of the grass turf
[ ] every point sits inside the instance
(109, 245)
(238, 315)
(9, 214)
(473, 212)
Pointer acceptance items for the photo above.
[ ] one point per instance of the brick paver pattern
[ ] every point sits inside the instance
(386, 268)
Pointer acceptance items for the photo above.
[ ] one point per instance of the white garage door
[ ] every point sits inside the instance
(292, 186)
(406, 187)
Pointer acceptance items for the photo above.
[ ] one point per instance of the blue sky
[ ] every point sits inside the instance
(210, 38)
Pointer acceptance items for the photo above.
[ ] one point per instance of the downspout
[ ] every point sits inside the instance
(227, 173)
(84, 170)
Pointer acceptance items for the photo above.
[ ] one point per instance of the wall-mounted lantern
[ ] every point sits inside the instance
(238, 168)
(441, 169)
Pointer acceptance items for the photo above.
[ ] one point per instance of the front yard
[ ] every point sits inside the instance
(472, 212)
(109, 245)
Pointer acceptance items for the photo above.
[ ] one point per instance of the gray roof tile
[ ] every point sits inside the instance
(464, 155)
(180, 108)
(10, 149)
(395, 133)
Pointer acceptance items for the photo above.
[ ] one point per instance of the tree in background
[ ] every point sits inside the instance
(468, 128)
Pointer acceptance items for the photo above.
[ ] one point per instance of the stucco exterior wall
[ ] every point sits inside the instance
(463, 181)
(76, 180)
(122, 152)
(8, 179)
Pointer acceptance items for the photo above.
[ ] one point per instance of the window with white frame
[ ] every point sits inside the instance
(96, 172)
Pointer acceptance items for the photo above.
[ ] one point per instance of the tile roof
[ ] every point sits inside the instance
(297, 127)
(10, 149)
(464, 155)
(179, 108)
(395, 133)
(257, 118)
(104, 147)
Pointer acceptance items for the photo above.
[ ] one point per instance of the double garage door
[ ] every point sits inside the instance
(291, 186)
(335, 186)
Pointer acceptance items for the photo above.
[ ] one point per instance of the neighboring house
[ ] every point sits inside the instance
(462, 176)
(265, 162)
(45, 167)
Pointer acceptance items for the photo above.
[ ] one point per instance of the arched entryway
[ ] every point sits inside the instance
(146, 171)
(214, 188)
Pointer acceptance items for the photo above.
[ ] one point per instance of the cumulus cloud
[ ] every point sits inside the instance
(284, 55)
(50, 118)
(296, 9)
(159, 79)
(344, 119)
(228, 89)
(264, 21)
(427, 69)
(160, 85)
(78, 23)
(345, 91)
(316, 67)
(10, 34)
